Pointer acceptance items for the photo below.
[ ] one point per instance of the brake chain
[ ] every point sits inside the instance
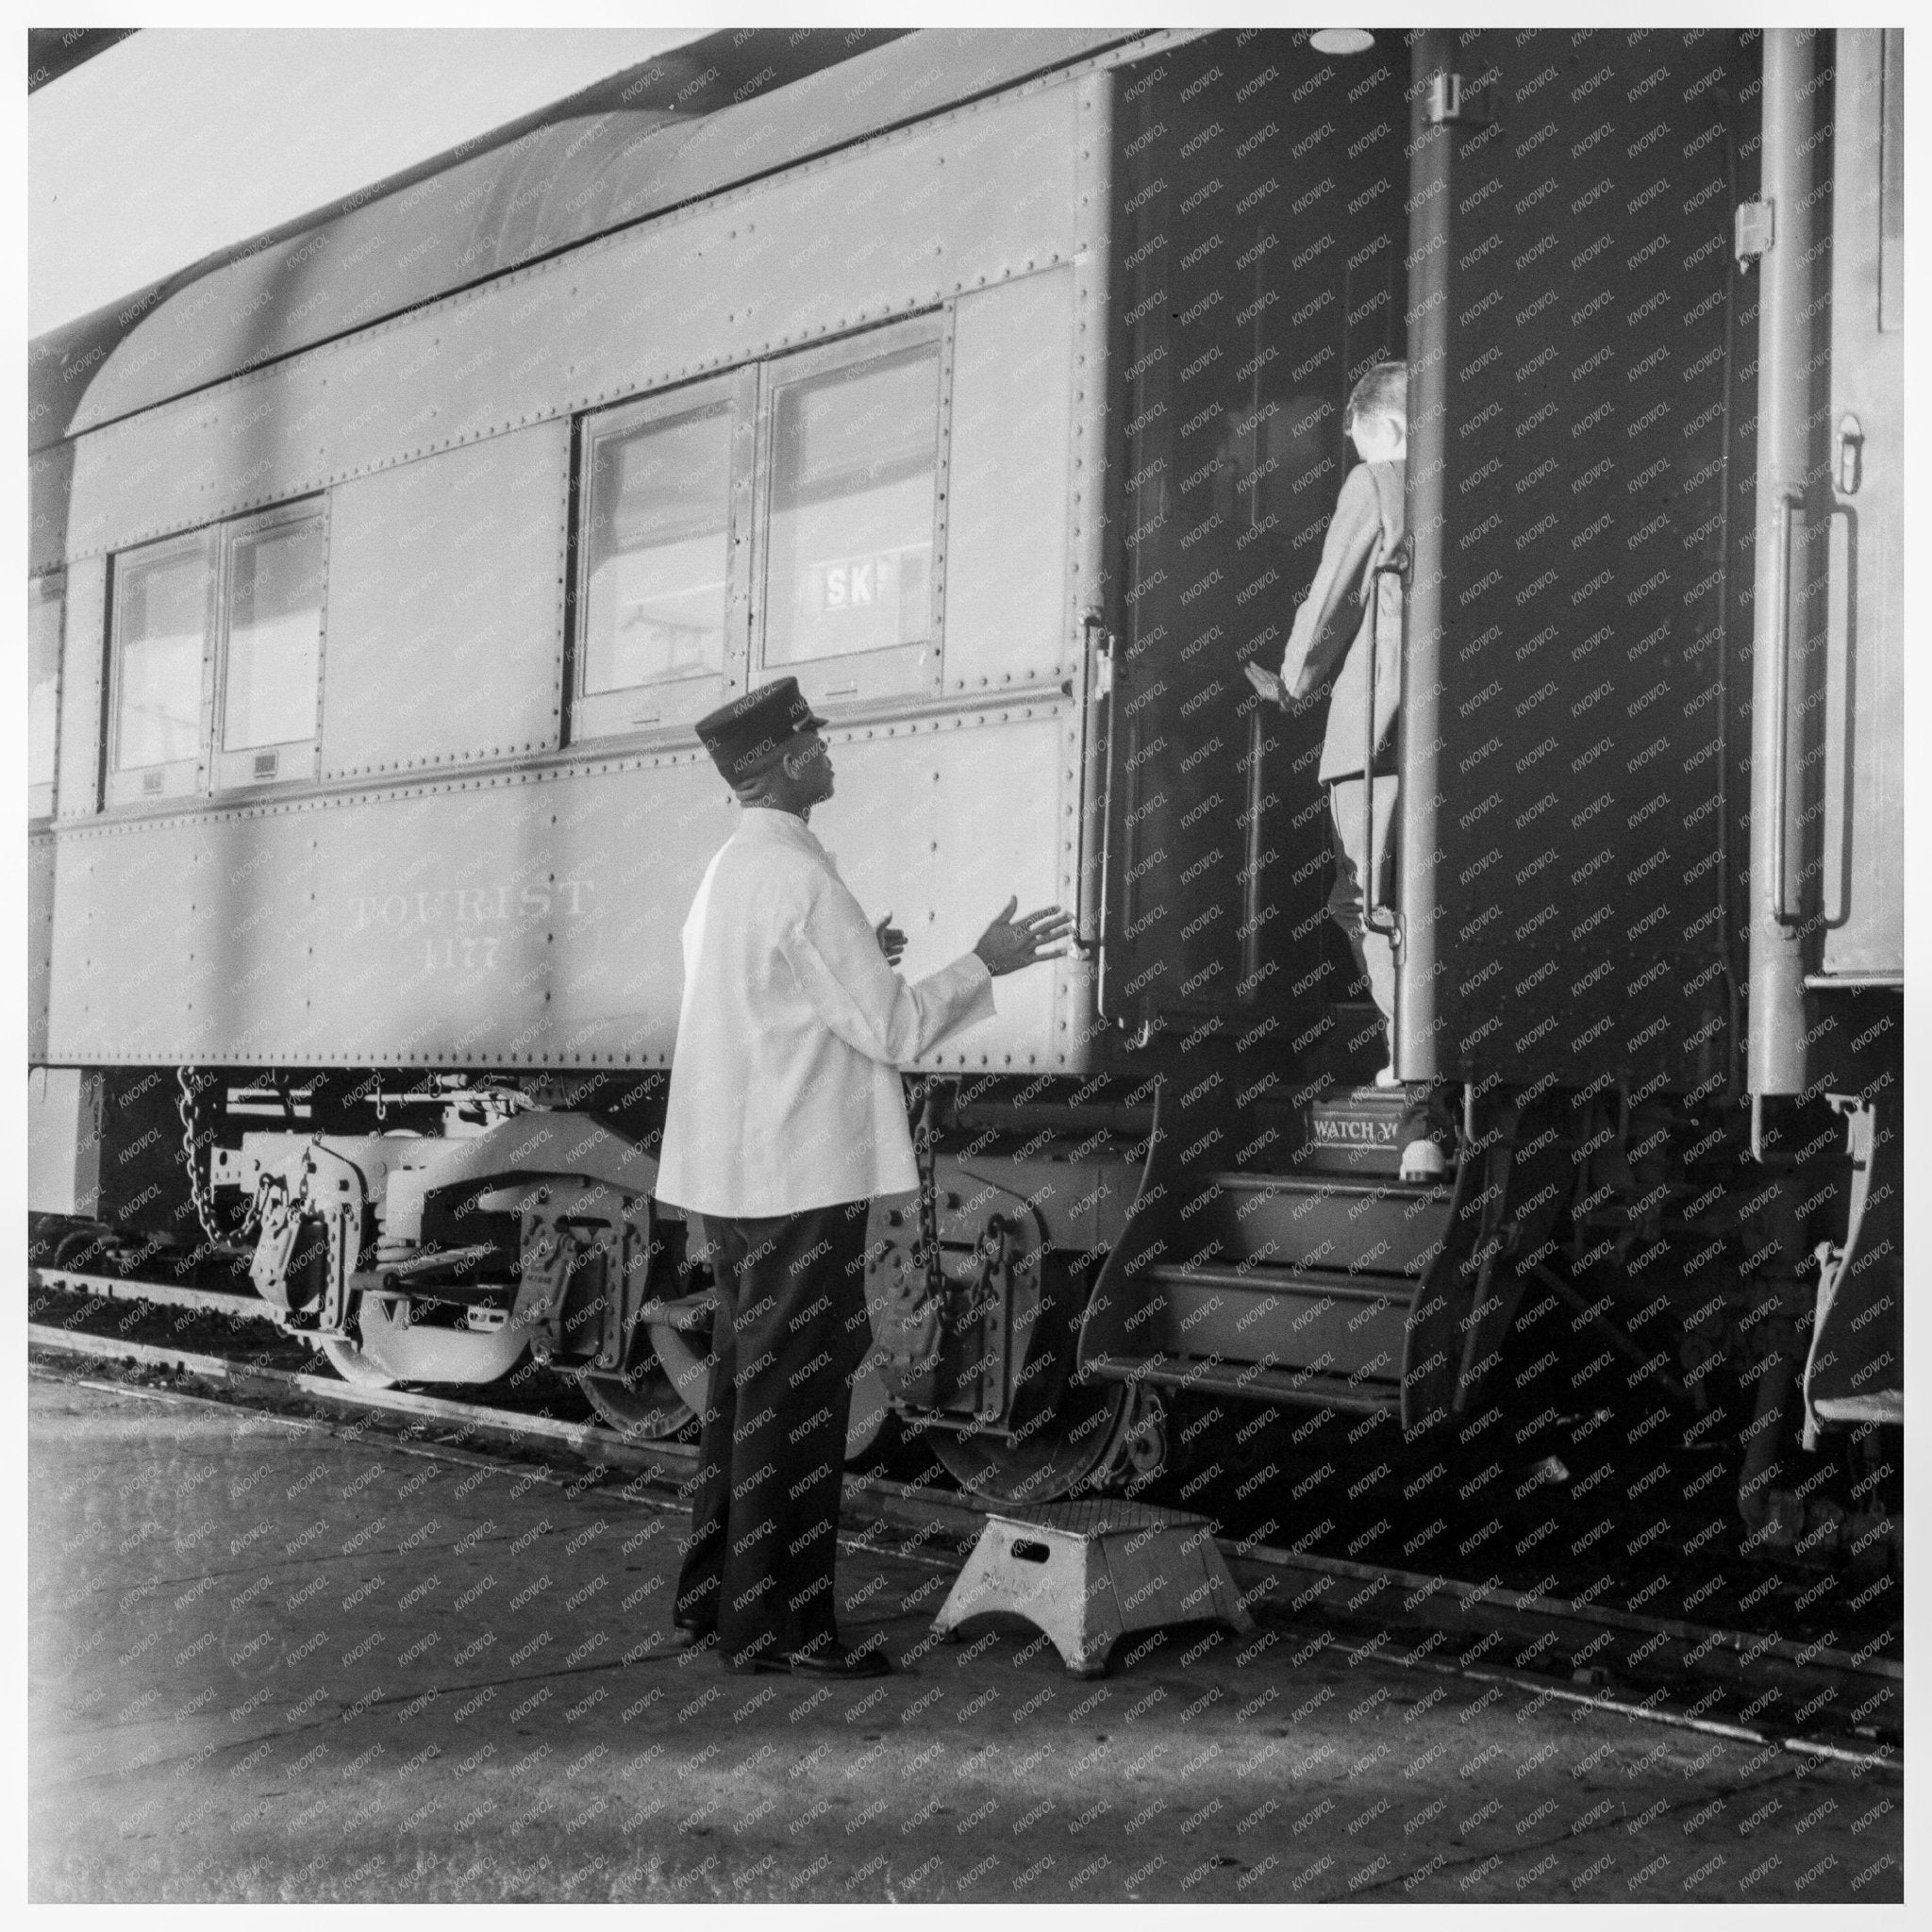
(925, 1155)
(199, 1191)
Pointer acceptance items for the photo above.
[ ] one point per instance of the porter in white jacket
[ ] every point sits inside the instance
(785, 1088)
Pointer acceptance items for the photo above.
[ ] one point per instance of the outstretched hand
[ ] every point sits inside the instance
(891, 941)
(1266, 683)
(1008, 943)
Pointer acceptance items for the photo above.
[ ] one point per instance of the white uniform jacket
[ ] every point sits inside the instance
(785, 1087)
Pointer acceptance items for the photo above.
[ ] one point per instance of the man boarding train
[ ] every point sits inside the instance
(1350, 598)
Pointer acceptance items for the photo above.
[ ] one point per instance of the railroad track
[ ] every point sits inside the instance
(1750, 1685)
(156, 1294)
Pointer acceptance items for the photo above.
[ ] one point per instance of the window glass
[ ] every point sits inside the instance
(850, 536)
(44, 676)
(163, 623)
(659, 552)
(274, 634)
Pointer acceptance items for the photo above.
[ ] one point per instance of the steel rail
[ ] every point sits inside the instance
(121, 1288)
(1436, 1605)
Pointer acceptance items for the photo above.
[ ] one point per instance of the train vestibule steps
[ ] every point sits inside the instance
(1296, 1274)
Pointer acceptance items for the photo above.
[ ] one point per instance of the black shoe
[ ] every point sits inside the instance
(694, 1631)
(1427, 1134)
(831, 1660)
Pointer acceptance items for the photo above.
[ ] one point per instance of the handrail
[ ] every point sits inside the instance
(1104, 683)
(1376, 916)
(1837, 805)
(1787, 506)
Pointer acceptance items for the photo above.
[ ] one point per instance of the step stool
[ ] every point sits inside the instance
(1087, 1573)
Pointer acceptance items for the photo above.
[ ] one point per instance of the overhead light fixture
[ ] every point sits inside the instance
(1342, 40)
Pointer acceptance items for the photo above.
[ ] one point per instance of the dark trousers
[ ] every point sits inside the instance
(789, 1332)
(1349, 800)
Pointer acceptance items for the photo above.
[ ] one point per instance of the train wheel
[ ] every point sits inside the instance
(83, 1246)
(1078, 1444)
(1068, 1436)
(871, 1408)
(648, 1404)
(637, 1406)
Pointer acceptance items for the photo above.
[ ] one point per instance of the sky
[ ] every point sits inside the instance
(180, 141)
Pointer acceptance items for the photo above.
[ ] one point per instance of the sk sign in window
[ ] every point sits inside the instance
(855, 453)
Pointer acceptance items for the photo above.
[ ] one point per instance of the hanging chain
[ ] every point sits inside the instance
(923, 1154)
(198, 1189)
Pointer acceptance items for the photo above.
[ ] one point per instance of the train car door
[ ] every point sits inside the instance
(1571, 314)
(1855, 1373)
(1862, 858)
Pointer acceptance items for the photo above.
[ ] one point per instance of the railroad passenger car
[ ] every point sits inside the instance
(991, 384)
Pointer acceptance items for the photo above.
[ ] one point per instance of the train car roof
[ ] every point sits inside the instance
(720, 111)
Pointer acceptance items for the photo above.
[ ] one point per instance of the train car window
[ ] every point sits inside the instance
(655, 592)
(162, 596)
(850, 549)
(45, 602)
(659, 558)
(273, 579)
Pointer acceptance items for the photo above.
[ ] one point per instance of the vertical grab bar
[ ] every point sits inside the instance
(1836, 806)
(1376, 916)
(1788, 507)
(1105, 673)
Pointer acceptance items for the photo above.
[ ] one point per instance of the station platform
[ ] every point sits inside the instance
(287, 1661)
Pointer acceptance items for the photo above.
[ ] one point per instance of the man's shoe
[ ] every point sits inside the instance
(1423, 1160)
(1425, 1130)
(694, 1631)
(833, 1661)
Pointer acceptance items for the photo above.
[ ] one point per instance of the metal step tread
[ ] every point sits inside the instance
(1315, 1181)
(1260, 1278)
(1233, 1379)
(1326, 1092)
